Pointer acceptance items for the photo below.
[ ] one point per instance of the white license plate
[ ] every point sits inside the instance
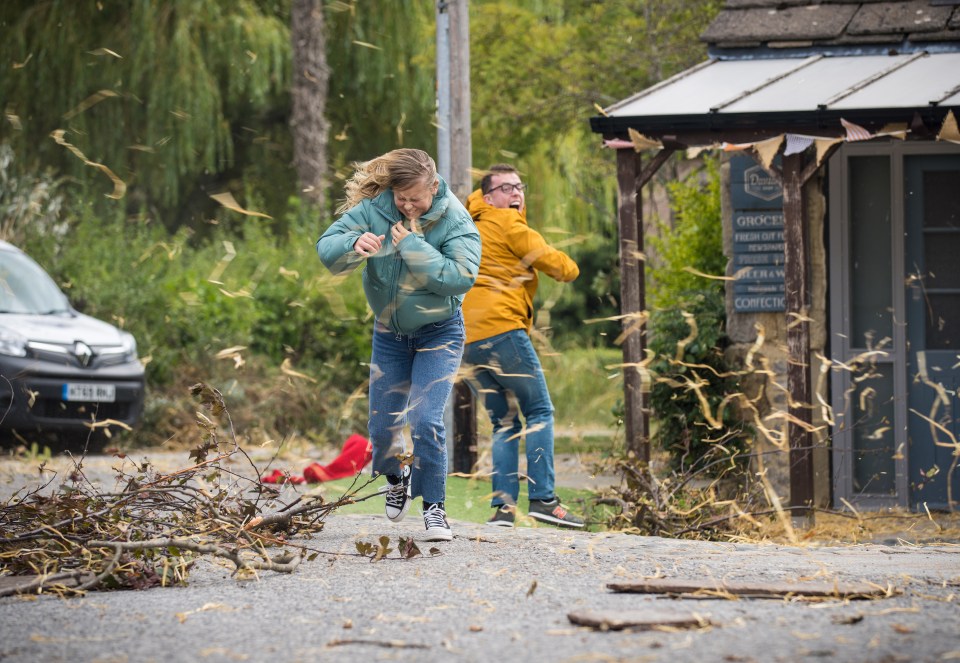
(94, 393)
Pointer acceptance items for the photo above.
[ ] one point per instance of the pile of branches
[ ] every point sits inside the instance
(150, 532)
(714, 500)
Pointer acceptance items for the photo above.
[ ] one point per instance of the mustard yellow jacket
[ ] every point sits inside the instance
(501, 300)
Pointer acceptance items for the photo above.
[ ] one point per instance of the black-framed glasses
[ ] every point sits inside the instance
(507, 189)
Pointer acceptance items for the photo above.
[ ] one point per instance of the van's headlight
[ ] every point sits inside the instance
(129, 344)
(12, 343)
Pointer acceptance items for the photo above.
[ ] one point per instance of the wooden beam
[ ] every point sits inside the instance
(798, 338)
(814, 166)
(716, 588)
(636, 620)
(632, 302)
(647, 174)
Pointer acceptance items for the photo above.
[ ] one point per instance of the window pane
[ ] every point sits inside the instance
(941, 246)
(871, 296)
(942, 258)
(941, 193)
(874, 467)
(943, 327)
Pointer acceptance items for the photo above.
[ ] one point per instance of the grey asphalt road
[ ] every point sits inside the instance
(499, 594)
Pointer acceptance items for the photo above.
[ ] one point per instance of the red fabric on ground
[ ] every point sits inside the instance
(315, 473)
(279, 476)
(354, 456)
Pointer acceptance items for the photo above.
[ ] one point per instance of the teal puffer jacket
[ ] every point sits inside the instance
(423, 278)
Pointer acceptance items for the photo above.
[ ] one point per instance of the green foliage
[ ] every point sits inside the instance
(382, 78)
(539, 67)
(585, 384)
(584, 313)
(30, 203)
(225, 307)
(183, 98)
(539, 70)
(695, 242)
(577, 215)
(468, 500)
(696, 422)
(161, 93)
(256, 315)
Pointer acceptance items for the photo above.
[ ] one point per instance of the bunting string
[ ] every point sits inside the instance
(792, 143)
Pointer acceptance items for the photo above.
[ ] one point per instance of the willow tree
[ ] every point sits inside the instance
(382, 77)
(145, 100)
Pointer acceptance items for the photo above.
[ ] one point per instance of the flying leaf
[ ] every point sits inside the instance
(106, 423)
(285, 368)
(89, 102)
(105, 51)
(119, 186)
(227, 200)
(230, 352)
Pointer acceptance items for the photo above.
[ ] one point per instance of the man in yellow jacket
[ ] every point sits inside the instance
(507, 376)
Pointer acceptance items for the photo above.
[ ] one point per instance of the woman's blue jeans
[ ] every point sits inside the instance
(411, 377)
(507, 377)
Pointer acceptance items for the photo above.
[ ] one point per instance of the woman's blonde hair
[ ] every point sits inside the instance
(397, 169)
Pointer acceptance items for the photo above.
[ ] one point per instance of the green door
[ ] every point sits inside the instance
(932, 266)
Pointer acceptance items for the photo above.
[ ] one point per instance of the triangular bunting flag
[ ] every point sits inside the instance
(767, 149)
(696, 150)
(796, 144)
(641, 142)
(855, 131)
(949, 131)
(823, 145)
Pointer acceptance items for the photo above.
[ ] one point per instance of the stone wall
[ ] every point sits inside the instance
(766, 384)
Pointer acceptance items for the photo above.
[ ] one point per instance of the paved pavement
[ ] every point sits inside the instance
(498, 594)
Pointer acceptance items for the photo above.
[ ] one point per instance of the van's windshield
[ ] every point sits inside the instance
(26, 289)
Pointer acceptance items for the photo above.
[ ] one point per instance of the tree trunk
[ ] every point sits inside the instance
(308, 92)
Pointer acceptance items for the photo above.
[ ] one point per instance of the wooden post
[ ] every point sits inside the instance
(464, 428)
(461, 151)
(455, 159)
(632, 295)
(798, 338)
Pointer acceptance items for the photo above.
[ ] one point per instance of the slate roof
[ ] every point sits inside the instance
(802, 66)
(833, 25)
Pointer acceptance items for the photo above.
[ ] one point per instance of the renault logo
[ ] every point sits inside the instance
(83, 352)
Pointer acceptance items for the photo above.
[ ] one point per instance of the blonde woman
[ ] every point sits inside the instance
(421, 254)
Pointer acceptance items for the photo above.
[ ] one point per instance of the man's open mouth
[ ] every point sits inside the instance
(515, 206)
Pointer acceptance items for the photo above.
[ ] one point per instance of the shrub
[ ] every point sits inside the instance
(696, 422)
(594, 295)
(253, 313)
